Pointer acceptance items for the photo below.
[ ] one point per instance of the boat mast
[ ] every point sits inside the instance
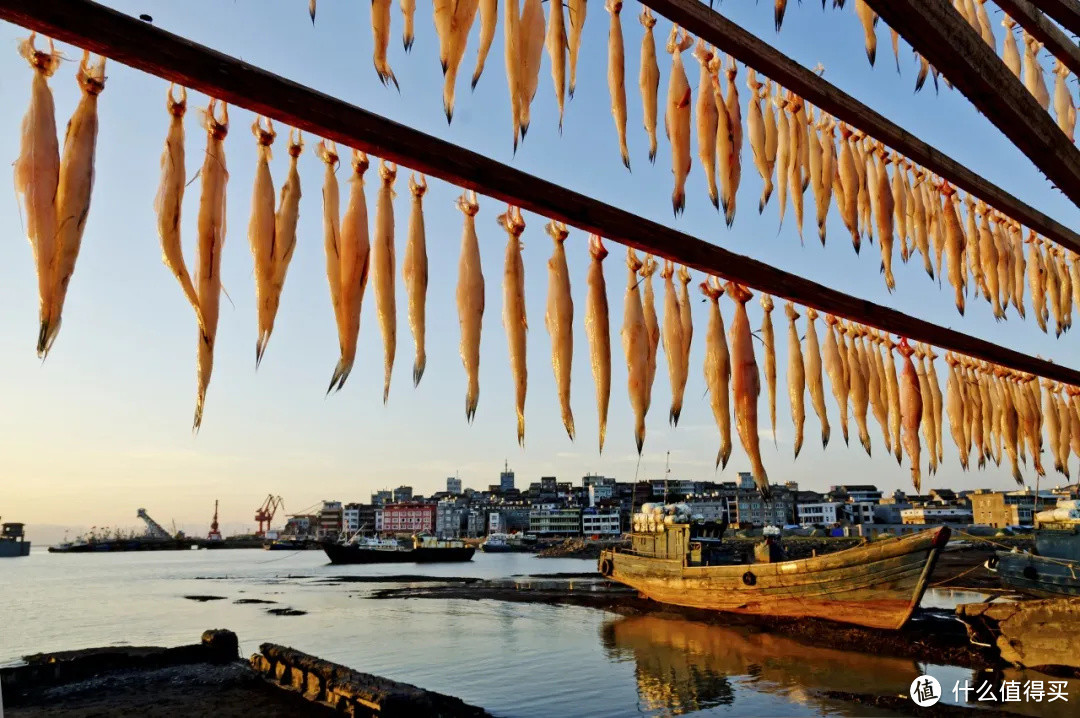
(667, 472)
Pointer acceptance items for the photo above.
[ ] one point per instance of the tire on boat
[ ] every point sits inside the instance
(749, 578)
(606, 567)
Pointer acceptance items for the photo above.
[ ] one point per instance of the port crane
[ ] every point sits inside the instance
(153, 528)
(214, 534)
(265, 513)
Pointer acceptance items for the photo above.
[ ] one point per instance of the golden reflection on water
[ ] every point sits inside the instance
(685, 666)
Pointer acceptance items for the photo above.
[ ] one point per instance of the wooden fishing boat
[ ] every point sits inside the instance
(876, 584)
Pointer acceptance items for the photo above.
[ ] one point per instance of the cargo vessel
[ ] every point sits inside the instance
(424, 549)
(877, 585)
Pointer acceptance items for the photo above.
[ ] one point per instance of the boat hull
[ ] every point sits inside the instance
(339, 554)
(125, 545)
(497, 548)
(877, 585)
(14, 549)
(1039, 576)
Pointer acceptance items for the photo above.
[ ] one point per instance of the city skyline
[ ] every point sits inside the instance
(103, 426)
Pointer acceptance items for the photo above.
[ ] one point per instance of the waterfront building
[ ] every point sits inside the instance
(449, 519)
(1001, 509)
(453, 485)
(409, 517)
(331, 518)
(824, 513)
(379, 519)
(596, 522)
(382, 497)
(710, 510)
(300, 524)
(475, 522)
(601, 492)
(887, 510)
(858, 512)
(506, 478)
(856, 492)
(936, 514)
(553, 521)
(403, 494)
(350, 518)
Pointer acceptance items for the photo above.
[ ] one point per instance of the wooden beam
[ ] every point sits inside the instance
(937, 31)
(1066, 12)
(139, 45)
(1045, 31)
(743, 46)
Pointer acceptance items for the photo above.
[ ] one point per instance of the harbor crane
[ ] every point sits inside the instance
(265, 513)
(153, 528)
(214, 534)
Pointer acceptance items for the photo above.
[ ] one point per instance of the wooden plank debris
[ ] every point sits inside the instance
(744, 47)
(126, 40)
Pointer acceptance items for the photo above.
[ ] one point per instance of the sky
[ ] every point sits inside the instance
(103, 426)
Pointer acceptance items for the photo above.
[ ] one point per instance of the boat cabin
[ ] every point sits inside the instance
(12, 532)
(699, 543)
(428, 541)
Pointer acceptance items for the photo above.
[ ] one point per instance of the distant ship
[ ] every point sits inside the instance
(496, 543)
(13, 543)
(425, 549)
(156, 538)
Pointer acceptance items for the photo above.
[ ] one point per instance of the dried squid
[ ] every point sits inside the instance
(76, 182)
(382, 269)
(635, 341)
(470, 301)
(261, 227)
(559, 320)
(170, 198)
(37, 173)
(746, 386)
(354, 261)
(514, 319)
(415, 272)
(718, 369)
(598, 332)
(211, 228)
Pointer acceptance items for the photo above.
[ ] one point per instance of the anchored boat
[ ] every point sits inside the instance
(1052, 570)
(13, 543)
(425, 549)
(877, 584)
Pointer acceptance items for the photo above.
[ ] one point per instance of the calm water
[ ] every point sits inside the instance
(513, 659)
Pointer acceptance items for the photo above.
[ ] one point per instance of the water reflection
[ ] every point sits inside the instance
(684, 666)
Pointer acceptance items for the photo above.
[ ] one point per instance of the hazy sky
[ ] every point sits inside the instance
(103, 426)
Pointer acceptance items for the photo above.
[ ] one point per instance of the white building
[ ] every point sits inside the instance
(600, 523)
(495, 523)
(453, 485)
(936, 515)
(555, 522)
(820, 513)
(709, 510)
(378, 521)
(351, 518)
(600, 492)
